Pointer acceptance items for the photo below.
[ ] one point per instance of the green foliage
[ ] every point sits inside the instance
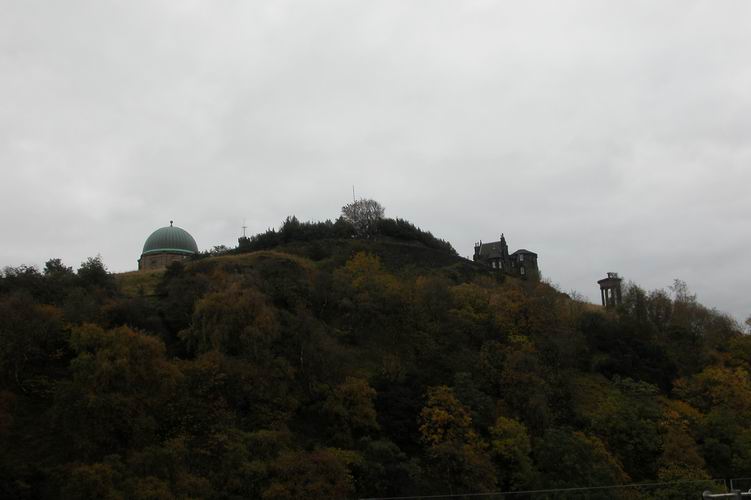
(511, 451)
(334, 366)
(120, 380)
(33, 344)
(294, 231)
(93, 274)
(445, 419)
(569, 459)
(349, 410)
(455, 455)
(317, 475)
(401, 229)
(236, 322)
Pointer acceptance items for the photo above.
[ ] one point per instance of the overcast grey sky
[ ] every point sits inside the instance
(604, 135)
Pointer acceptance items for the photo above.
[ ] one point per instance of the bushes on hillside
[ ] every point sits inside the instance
(275, 376)
(292, 231)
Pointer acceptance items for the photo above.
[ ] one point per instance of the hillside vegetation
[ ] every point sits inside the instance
(334, 367)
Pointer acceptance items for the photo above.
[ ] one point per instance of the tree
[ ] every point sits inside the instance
(364, 215)
(445, 418)
(350, 409)
(236, 322)
(121, 388)
(569, 458)
(319, 474)
(93, 273)
(91, 481)
(59, 280)
(56, 266)
(385, 470)
(32, 344)
(456, 457)
(7, 399)
(510, 448)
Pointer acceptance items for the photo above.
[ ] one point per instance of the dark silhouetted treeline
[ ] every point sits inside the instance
(294, 231)
(340, 367)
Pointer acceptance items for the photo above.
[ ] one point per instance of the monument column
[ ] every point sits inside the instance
(610, 290)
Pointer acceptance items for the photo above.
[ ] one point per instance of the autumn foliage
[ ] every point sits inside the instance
(349, 367)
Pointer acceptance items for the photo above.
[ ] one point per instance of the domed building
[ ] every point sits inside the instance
(166, 245)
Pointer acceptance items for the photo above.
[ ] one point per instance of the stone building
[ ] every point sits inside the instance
(166, 245)
(521, 263)
(610, 290)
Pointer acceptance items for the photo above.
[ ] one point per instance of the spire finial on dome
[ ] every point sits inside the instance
(170, 223)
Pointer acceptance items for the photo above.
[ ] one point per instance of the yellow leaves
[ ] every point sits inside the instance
(679, 447)
(510, 305)
(363, 272)
(373, 295)
(679, 414)
(235, 321)
(680, 458)
(718, 386)
(455, 454)
(121, 359)
(445, 419)
(362, 266)
(437, 425)
(594, 397)
(739, 352)
(509, 439)
(236, 305)
(471, 304)
(470, 296)
(351, 405)
(510, 448)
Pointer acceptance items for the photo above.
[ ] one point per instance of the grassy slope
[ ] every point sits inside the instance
(398, 257)
(135, 283)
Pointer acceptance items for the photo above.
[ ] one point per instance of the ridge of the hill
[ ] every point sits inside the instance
(397, 256)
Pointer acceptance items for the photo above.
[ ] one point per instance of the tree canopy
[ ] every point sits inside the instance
(341, 366)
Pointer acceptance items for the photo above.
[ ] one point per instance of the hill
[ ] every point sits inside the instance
(339, 367)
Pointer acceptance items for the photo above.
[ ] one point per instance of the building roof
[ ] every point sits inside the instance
(609, 281)
(490, 250)
(170, 239)
(523, 250)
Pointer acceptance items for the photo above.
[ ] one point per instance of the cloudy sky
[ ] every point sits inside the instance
(606, 136)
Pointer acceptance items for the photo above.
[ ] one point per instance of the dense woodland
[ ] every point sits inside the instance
(317, 364)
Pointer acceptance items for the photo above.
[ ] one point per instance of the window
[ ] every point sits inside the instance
(521, 271)
(521, 257)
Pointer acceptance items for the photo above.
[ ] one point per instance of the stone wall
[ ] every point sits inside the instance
(159, 260)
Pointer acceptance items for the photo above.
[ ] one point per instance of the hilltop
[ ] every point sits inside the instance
(332, 367)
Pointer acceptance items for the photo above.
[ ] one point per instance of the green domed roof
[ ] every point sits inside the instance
(170, 239)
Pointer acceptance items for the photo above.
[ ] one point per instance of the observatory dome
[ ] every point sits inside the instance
(170, 239)
(166, 245)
